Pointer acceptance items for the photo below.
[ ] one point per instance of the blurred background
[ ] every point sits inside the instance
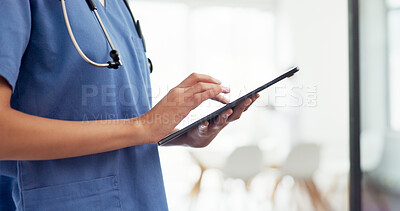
(290, 151)
(380, 103)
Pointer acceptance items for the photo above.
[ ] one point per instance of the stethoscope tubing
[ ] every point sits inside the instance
(75, 43)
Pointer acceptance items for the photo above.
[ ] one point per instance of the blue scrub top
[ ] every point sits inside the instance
(50, 79)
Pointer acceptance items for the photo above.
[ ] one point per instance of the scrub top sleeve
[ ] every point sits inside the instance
(15, 28)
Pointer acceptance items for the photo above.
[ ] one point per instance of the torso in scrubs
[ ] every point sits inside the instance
(50, 79)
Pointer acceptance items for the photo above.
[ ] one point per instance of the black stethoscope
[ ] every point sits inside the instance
(116, 61)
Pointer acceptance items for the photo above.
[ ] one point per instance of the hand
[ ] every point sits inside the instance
(176, 105)
(205, 133)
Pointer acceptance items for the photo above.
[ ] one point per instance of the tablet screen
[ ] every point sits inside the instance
(212, 116)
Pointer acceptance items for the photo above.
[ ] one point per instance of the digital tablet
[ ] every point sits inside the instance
(211, 117)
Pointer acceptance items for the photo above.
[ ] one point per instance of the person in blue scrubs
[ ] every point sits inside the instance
(78, 137)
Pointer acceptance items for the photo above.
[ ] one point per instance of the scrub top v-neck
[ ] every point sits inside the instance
(49, 79)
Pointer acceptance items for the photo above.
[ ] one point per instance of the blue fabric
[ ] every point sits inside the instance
(51, 80)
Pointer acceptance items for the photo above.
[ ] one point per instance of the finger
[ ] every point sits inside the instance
(221, 121)
(254, 98)
(195, 78)
(202, 86)
(203, 128)
(238, 110)
(211, 93)
(221, 99)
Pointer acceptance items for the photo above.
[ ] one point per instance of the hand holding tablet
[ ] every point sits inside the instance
(213, 116)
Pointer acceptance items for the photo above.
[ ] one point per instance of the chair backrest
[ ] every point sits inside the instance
(244, 163)
(302, 161)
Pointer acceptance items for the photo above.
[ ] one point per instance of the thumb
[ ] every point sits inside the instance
(203, 128)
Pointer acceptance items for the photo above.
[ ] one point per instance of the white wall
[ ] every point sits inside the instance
(320, 43)
(309, 33)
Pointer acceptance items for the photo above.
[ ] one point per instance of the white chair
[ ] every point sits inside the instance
(301, 164)
(206, 160)
(302, 161)
(244, 163)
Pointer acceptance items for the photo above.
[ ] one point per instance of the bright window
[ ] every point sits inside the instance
(394, 63)
(224, 41)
